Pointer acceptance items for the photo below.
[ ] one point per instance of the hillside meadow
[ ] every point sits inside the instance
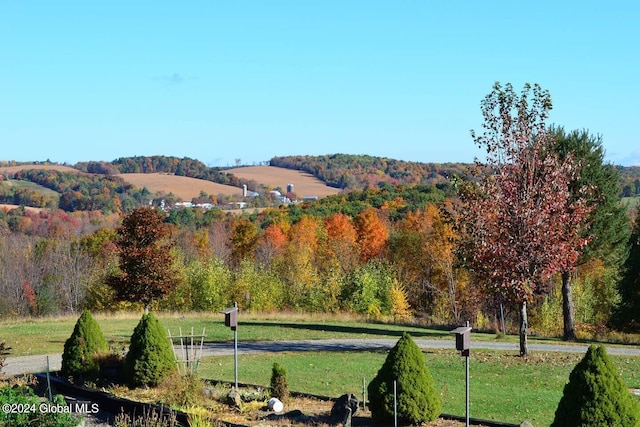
(183, 187)
(304, 184)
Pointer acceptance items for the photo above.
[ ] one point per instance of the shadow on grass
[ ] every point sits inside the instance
(355, 330)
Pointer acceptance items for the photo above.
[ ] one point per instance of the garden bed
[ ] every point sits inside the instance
(302, 409)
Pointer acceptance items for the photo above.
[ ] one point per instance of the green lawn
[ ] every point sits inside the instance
(42, 336)
(503, 387)
(47, 335)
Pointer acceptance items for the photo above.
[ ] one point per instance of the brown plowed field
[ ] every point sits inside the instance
(184, 187)
(9, 207)
(304, 184)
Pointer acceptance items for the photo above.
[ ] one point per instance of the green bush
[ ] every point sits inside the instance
(78, 358)
(150, 357)
(279, 387)
(31, 415)
(417, 399)
(596, 395)
(367, 290)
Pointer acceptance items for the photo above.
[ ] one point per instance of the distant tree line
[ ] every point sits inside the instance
(353, 172)
(99, 189)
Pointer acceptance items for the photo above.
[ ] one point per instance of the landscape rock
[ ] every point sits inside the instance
(295, 416)
(345, 407)
(213, 393)
(234, 399)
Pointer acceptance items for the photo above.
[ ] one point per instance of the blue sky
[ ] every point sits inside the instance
(249, 80)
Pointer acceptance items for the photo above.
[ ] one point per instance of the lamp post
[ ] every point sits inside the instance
(463, 345)
(231, 320)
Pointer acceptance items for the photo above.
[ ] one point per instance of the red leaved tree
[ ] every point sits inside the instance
(523, 223)
(147, 270)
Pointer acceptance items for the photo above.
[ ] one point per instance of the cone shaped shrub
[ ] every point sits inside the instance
(596, 395)
(150, 357)
(417, 398)
(87, 339)
(279, 387)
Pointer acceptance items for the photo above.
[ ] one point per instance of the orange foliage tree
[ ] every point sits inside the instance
(424, 252)
(271, 244)
(373, 234)
(341, 247)
(299, 265)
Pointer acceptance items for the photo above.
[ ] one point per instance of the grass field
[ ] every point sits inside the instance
(503, 387)
(631, 202)
(47, 335)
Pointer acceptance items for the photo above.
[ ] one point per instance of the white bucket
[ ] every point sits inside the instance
(275, 405)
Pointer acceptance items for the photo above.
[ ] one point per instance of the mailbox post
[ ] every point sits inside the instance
(463, 345)
(231, 320)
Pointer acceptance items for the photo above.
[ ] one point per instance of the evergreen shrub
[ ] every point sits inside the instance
(596, 395)
(279, 386)
(79, 356)
(417, 398)
(150, 357)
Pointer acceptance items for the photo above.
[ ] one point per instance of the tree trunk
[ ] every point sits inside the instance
(146, 309)
(524, 327)
(567, 308)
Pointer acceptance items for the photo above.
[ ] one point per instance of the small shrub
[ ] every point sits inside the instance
(149, 418)
(417, 399)
(200, 417)
(110, 366)
(21, 393)
(182, 391)
(399, 302)
(279, 387)
(78, 358)
(150, 357)
(596, 395)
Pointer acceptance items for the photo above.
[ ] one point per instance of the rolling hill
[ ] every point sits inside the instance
(187, 188)
(304, 184)
(183, 187)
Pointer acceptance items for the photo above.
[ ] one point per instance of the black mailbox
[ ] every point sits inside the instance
(231, 317)
(463, 339)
